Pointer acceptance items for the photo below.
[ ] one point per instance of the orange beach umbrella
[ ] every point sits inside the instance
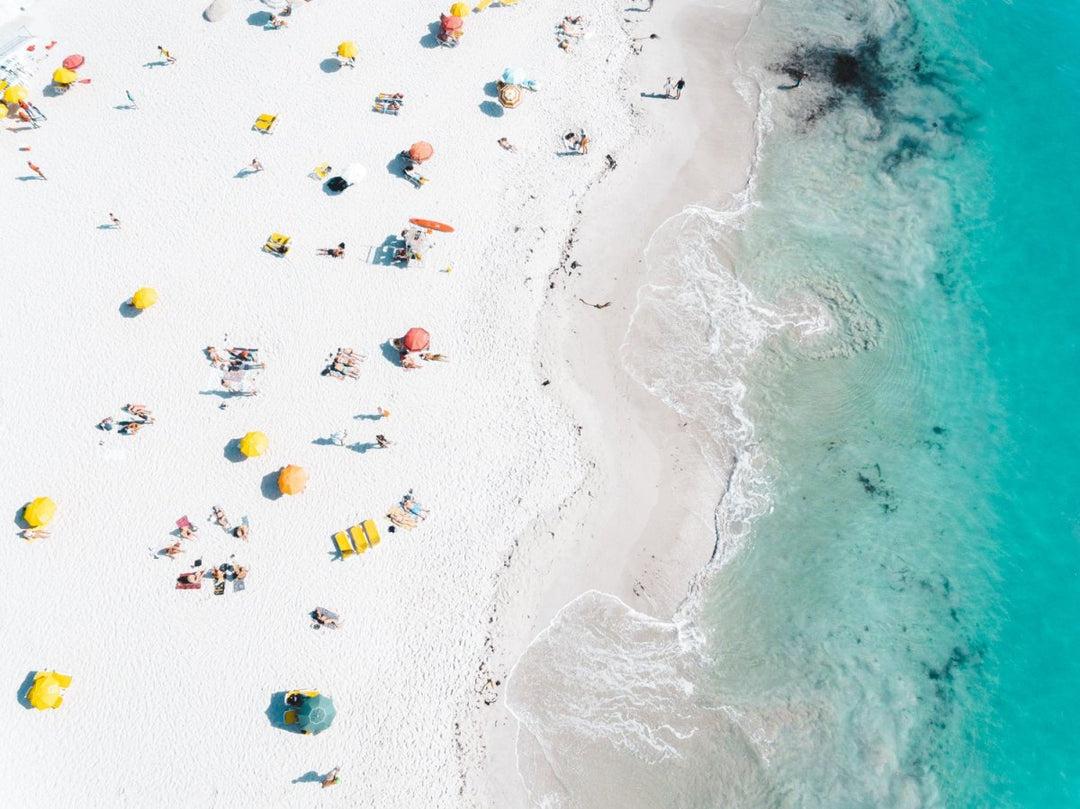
(451, 23)
(421, 151)
(510, 95)
(416, 340)
(292, 479)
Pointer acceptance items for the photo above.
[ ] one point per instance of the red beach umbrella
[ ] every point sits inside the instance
(451, 23)
(73, 62)
(416, 340)
(421, 151)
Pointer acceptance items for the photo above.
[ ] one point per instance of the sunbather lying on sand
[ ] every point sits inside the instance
(219, 517)
(409, 361)
(240, 532)
(174, 549)
(140, 411)
(216, 359)
(131, 427)
(218, 574)
(34, 533)
(241, 572)
(325, 619)
(435, 357)
(335, 252)
(190, 578)
(413, 507)
(401, 518)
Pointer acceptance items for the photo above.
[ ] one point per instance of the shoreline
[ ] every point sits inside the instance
(636, 527)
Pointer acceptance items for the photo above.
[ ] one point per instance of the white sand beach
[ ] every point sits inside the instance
(537, 492)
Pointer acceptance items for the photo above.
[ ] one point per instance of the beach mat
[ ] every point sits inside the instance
(238, 585)
(182, 586)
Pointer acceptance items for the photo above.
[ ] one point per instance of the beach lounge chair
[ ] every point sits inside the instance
(372, 532)
(265, 123)
(358, 538)
(321, 172)
(291, 717)
(278, 244)
(341, 539)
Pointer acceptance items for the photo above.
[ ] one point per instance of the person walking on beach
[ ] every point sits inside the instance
(331, 778)
(669, 85)
(256, 165)
(583, 144)
(382, 441)
(36, 170)
(131, 99)
(115, 221)
(679, 85)
(168, 57)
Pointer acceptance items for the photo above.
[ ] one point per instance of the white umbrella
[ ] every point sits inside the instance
(354, 173)
(276, 5)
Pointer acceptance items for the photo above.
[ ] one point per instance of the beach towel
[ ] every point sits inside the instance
(186, 586)
(398, 516)
(238, 585)
(219, 588)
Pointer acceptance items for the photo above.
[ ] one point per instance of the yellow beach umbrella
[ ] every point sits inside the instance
(45, 693)
(347, 50)
(39, 512)
(15, 93)
(292, 479)
(64, 76)
(254, 444)
(460, 10)
(3, 110)
(144, 298)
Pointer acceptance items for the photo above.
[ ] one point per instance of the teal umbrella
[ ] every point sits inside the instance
(316, 714)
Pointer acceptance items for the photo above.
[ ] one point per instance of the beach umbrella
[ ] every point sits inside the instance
(276, 5)
(15, 93)
(510, 95)
(63, 76)
(254, 444)
(354, 173)
(347, 50)
(451, 23)
(144, 298)
(46, 693)
(421, 151)
(73, 62)
(459, 10)
(416, 340)
(39, 512)
(292, 479)
(3, 111)
(315, 714)
(515, 75)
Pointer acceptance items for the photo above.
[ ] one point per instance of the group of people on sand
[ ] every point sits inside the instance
(346, 363)
(568, 29)
(140, 417)
(234, 359)
(408, 512)
(186, 530)
(220, 573)
(577, 141)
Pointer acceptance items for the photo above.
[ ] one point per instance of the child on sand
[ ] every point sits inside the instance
(168, 57)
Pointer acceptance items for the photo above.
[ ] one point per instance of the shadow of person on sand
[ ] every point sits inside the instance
(656, 95)
(363, 447)
(269, 485)
(323, 442)
(22, 697)
(310, 777)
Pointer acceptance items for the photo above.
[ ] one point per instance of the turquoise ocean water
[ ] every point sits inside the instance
(882, 335)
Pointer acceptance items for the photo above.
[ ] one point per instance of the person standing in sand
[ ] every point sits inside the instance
(256, 165)
(131, 99)
(115, 221)
(679, 85)
(36, 170)
(669, 85)
(168, 57)
(331, 778)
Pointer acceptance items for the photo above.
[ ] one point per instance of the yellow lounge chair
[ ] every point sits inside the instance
(321, 172)
(265, 123)
(277, 244)
(372, 532)
(358, 538)
(342, 542)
